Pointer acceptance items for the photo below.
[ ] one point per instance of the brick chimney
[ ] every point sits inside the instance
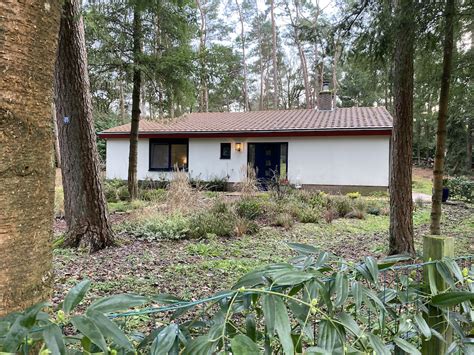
(325, 98)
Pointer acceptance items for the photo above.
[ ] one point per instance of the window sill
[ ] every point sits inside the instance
(167, 170)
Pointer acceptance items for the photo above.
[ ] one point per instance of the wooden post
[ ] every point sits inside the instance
(436, 247)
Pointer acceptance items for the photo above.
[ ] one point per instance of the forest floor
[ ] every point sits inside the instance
(194, 268)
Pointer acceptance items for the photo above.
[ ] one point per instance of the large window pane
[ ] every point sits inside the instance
(179, 156)
(283, 160)
(159, 156)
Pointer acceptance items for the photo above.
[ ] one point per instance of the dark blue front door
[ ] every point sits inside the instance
(267, 160)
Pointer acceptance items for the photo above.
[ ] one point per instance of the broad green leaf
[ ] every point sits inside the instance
(389, 261)
(243, 345)
(322, 259)
(276, 318)
(432, 279)
(117, 303)
(75, 295)
(15, 336)
(356, 289)
(406, 346)
(268, 306)
(30, 315)
(199, 346)
(316, 350)
(342, 289)
(303, 248)
(87, 328)
(443, 270)
(349, 323)
(282, 326)
(251, 327)
(109, 329)
(377, 344)
(327, 336)
(454, 267)
(164, 340)
(422, 326)
(292, 277)
(452, 298)
(373, 268)
(53, 337)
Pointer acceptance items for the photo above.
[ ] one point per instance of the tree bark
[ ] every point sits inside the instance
(438, 168)
(203, 90)
(401, 204)
(274, 56)
(337, 53)
(469, 145)
(244, 59)
(304, 66)
(85, 208)
(28, 43)
(137, 83)
(57, 150)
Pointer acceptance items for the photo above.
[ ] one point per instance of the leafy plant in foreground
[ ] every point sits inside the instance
(317, 304)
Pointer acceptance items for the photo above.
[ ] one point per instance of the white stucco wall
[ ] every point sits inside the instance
(362, 161)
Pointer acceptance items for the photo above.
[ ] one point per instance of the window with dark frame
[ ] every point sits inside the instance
(225, 150)
(166, 155)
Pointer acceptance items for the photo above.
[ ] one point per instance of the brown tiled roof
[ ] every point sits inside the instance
(354, 118)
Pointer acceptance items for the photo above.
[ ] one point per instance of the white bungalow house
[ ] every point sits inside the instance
(345, 149)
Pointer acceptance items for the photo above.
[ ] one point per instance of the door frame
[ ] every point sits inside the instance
(270, 142)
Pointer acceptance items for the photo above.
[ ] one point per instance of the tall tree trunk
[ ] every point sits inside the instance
(203, 90)
(469, 145)
(299, 46)
(57, 150)
(438, 168)
(337, 53)
(122, 102)
(137, 83)
(244, 58)
(28, 43)
(85, 208)
(274, 56)
(401, 204)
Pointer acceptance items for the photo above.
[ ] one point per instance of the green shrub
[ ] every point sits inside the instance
(122, 193)
(220, 206)
(353, 195)
(313, 288)
(342, 205)
(111, 189)
(308, 214)
(152, 194)
(249, 208)
(373, 210)
(461, 188)
(360, 205)
(208, 222)
(204, 249)
(157, 227)
(243, 226)
(284, 220)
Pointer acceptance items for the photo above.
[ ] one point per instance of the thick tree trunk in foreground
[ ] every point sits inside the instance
(27, 52)
(85, 208)
(274, 56)
(438, 167)
(137, 83)
(401, 204)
